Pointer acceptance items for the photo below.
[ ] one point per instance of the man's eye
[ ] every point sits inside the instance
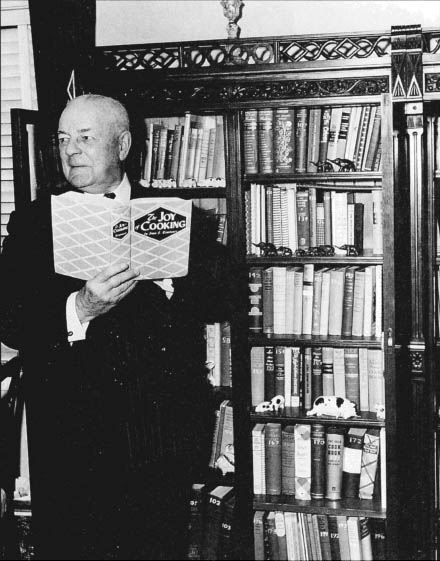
(62, 140)
(86, 138)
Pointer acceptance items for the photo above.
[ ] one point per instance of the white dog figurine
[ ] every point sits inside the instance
(274, 404)
(333, 406)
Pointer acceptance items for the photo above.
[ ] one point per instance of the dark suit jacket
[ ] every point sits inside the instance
(119, 424)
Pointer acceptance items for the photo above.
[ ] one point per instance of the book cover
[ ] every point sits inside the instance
(335, 125)
(211, 153)
(177, 140)
(351, 465)
(325, 129)
(259, 548)
(312, 217)
(352, 132)
(344, 546)
(352, 382)
(257, 375)
(373, 111)
(325, 302)
(347, 305)
(284, 139)
(343, 132)
(227, 434)
(378, 538)
(373, 143)
(183, 152)
(288, 460)
(215, 437)
(297, 301)
(195, 522)
(327, 371)
(280, 530)
(287, 376)
(269, 372)
(369, 463)
(279, 300)
(365, 533)
(91, 233)
(316, 305)
(311, 536)
(250, 141)
(221, 422)
(303, 473)
(258, 459)
(359, 227)
(376, 390)
(290, 298)
(318, 461)
(333, 531)
(255, 303)
(302, 218)
(277, 223)
(272, 540)
(362, 137)
(291, 521)
(272, 442)
(339, 371)
(292, 233)
(215, 504)
(357, 327)
(296, 373)
(169, 153)
(324, 537)
(307, 298)
(279, 370)
(268, 300)
(369, 300)
(334, 454)
(317, 386)
(269, 212)
(307, 386)
(339, 219)
(301, 125)
(265, 140)
(313, 138)
(363, 380)
(328, 219)
(337, 280)
(354, 538)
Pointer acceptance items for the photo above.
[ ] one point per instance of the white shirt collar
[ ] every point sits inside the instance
(122, 191)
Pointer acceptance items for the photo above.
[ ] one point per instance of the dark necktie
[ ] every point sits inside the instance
(110, 195)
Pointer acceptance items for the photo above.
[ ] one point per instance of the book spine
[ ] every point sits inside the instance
(316, 372)
(195, 522)
(211, 153)
(352, 382)
(339, 372)
(257, 375)
(302, 462)
(351, 466)
(279, 300)
(333, 531)
(295, 398)
(284, 140)
(374, 141)
(169, 153)
(288, 461)
(343, 132)
(334, 451)
(297, 310)
(301, 124)
(161, 154)
(280, 530)
(218, 167)
(327, 201)
(325, 303)
(365, 533)
(225, 354)
(268, 304)
(325, 129)
(335, 125)
(313, 138)
(354, 538)
(307, 393)
(378, 538)
(337, 278)
(259, 552)
(307, 299)
(344, 545)
(272, 442)
(250, 141)
(318, 448)
(347, 306)
(369, 463)
(302, 216)
(324, 537)
(269, 372)
(320, 224)
(279, 370)
(312, 217)
(327, 371)
(183, 153)
(265, 140)
(255, 310)
(177, 140)
(258, 459)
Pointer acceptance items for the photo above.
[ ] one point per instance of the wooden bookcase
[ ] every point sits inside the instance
(397, 71)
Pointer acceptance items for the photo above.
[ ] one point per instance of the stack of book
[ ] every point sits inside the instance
(317, 461)
(299, 139)
(184, 151)
(301, 374)
(300, 217)
(210, 525)
(298, 535)
(316, 301)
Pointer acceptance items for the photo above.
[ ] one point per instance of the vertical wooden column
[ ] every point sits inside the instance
(407, 88)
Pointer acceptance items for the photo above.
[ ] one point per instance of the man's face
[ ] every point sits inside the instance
(89, 147)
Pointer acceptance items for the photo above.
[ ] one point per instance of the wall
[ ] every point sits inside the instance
(143, 21)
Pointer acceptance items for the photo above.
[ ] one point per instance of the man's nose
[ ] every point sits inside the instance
(72, 147)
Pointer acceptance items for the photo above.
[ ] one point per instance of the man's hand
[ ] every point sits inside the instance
(101, 293)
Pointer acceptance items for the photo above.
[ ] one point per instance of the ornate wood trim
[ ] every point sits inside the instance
(191, 93)
(406, 62)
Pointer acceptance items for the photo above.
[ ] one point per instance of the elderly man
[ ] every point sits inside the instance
(119, 409)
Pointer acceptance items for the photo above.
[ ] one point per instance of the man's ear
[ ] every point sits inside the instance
(124, 144)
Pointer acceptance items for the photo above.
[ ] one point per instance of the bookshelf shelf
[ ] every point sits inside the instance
(292, 415)
(345, 507)
(187, 192)
(334, 179)
(335, 259)
(314, 341)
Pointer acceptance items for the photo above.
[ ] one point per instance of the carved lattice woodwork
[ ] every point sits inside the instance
(406, 67)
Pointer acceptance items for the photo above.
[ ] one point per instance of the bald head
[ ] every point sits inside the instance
(94, 141)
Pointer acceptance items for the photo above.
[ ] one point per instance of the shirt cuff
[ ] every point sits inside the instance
(76, 331)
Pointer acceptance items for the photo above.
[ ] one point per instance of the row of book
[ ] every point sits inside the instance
(185, 151)
(301, 217)
(218, 353)
(311, 537)
(311, 462)
(210, 524)
(301, 375)
(311, 300)
(297, 140)
(223, 438)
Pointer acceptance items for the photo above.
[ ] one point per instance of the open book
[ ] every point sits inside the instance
(151, 234)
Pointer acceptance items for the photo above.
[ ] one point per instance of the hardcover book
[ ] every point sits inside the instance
(288, 460)
(303, 473)
(284, 139)
(334, 453)
(93, 232)
(351, 465)
(272, 435)
(258, 459)
(215, 505)
(318, 461)
(195, 523)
